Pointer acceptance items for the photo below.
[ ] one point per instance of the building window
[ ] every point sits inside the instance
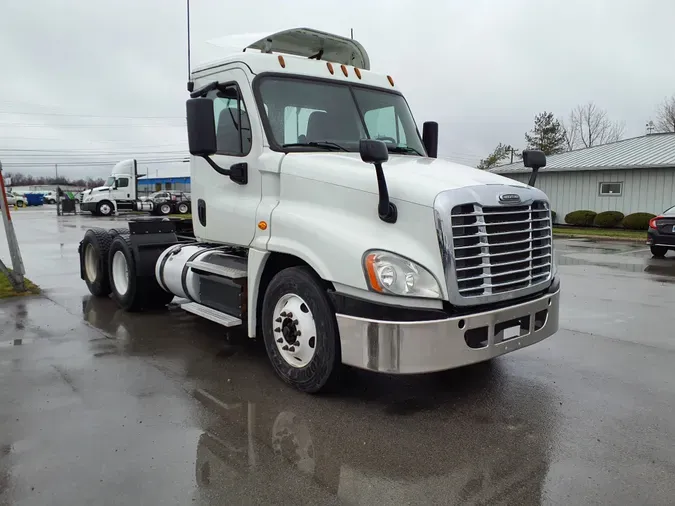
(611, 189)
(168, 186)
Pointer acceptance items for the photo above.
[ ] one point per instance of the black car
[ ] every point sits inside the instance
(661, 233)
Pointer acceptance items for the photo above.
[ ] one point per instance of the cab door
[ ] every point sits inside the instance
(225, 209)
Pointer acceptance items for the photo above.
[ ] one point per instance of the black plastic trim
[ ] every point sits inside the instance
(362, 308)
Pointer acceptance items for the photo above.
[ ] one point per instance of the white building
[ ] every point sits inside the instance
(632, 175)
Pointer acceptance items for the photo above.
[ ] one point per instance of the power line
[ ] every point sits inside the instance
(62, 115)
(73, 125)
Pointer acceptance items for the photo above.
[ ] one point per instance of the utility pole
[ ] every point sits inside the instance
(15, 276)
(512, 153)
(56, 169)
(352, 33)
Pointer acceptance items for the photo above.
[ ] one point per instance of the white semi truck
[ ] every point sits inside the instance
(120, 193)
(326, 226)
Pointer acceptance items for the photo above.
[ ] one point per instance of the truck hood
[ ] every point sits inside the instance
(410, 178)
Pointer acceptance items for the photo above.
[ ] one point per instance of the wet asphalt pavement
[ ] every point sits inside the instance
(98, 406)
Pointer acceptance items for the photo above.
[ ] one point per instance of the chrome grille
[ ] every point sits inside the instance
(501, 249)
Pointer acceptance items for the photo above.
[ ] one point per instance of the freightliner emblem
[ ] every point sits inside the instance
(509, 198)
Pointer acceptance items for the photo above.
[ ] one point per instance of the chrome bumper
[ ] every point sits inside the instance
(427, 346)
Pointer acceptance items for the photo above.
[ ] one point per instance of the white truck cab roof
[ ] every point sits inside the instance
(302, 42)
(299, 51)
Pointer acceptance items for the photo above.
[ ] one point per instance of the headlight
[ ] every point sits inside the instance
(392, 274)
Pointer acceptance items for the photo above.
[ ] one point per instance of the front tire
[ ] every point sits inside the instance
(19, 203)
(131, 292)
(658, 251)
(300, 331)
(104, 208)
(94, 261)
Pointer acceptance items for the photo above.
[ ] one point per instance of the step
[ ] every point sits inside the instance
(219, 270)
(214, 315)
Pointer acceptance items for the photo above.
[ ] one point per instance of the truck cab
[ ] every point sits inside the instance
(118, 193)
(326, 226)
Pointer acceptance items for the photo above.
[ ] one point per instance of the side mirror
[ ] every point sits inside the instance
(373, 151)
(201, 126)
(534, 159)
(430, 138)
(114, 186)
(376, 152)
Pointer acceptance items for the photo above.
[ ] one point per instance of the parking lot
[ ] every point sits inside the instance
(98, 406)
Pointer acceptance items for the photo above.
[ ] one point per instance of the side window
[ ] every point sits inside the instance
(385, 124)
(296, 120)
(233, 129)
(123, 182)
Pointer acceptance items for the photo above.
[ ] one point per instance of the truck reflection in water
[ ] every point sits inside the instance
(483, 434)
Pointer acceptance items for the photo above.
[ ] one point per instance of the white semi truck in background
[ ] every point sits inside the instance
(120, 193)
(326, 226)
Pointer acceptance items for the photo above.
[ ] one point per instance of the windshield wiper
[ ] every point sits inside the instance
(403, 149)
(317, 144)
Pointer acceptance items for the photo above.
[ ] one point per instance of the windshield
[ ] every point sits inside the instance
(110, 181)
(308, 114)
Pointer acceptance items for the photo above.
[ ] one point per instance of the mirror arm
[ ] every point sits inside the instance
(238, 172)
(533, 176)
(385, 208)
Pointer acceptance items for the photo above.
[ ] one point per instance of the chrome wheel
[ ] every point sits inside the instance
(120, 273)
(91, 263)
(294, 330)
(105, 209)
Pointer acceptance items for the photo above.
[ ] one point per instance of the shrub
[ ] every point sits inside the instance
(637, 221)
(608, 219)
(553, 216)
(581, 218)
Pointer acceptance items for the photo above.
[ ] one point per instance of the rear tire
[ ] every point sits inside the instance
(319, 369)
(658, 251)
(131, 292)
(114, 232)
(19, 203)
(183, 208)
(164, 208)
(94, 261)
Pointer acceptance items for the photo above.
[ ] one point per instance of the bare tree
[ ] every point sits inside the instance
(571, 130)
(665, 115)
(591, 126)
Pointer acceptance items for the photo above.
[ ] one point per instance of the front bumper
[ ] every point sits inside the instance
(426, 346)
(88, 206)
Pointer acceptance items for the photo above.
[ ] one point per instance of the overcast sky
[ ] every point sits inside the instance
(106, 80)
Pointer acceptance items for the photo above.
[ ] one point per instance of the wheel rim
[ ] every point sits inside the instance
(120, 273)
(165, 209)
(294, 330)
(104, 209)
(91, 263)
(182, 208)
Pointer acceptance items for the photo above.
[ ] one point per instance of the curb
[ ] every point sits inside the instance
(600, 238)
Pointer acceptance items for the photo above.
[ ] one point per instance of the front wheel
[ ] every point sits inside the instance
(658, 251)
(19, 203)
(300, 331)
(104, 208)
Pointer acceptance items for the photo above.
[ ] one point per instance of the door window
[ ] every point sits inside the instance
(123, 182)
(233, 128)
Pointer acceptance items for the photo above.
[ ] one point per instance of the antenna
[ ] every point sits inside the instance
(650, 127)
(352, 33)
(190, 84)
